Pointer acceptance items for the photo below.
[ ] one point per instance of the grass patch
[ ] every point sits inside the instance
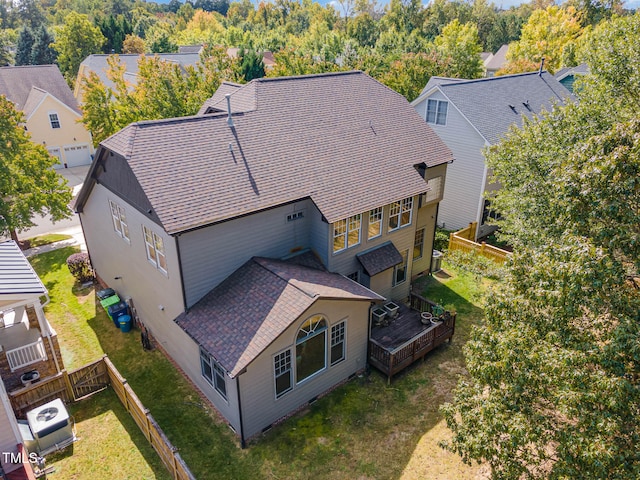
(47, 239)
(365, 429)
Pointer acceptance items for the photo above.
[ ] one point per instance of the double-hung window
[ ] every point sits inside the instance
(337, 343)
(119, 220)
(213, 373)
(155, 249)
(54, 120)
(346, 233)
(437, 111)
(400, 213)
(282, 372)
(418, 244)
(375, 223)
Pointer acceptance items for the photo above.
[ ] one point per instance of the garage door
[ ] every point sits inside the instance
(55, 152)
(77, 155)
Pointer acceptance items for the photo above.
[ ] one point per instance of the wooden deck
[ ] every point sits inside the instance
(405, 340)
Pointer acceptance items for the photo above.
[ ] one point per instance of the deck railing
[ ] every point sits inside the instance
(392, 361)
(26, 355)
(464, 240)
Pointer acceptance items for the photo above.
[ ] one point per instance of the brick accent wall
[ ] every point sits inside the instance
(46, 368)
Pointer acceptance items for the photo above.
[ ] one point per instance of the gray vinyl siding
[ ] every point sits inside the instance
(209, 255)
(156, 296)
(260, 408)
(8, 440)
(465, 176)
(319, 235)
(346, 262)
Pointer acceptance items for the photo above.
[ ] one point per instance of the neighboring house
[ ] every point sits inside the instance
(470, 115)
(98, 64)
(494, 62)
(567, 76)
(51, 113)
(27, 342)
(254, 244)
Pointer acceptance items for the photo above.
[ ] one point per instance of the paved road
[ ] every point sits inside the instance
(75, 177)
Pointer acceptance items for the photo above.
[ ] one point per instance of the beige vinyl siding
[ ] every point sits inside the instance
(345, 261)
(260, 408)
(319, 235)
(209, 255)
(465, 176)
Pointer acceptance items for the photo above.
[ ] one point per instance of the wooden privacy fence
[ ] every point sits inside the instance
(464, 240)
(156, 437)
(94, 377)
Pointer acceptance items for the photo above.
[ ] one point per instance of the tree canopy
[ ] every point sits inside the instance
(554, 371)
(28, 183)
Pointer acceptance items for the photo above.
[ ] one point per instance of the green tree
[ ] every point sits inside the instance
(28, 183)
(42, 53)
(251, 65)
(553, 378)
(133, 44)
(24, 46)
(545, 35)
(460, 43)
(75, 40)
(6, 58)
(409, 74)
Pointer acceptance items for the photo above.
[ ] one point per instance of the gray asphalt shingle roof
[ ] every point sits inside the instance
(343, 139)
(16, 83)
(241, 317)
(380, 258)
(17, 277)
(486, 102)
(98, 63)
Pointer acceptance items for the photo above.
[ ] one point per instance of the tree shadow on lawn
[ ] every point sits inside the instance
(367, 428)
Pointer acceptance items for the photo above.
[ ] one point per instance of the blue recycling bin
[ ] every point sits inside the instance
(125, 323)
(117, 310)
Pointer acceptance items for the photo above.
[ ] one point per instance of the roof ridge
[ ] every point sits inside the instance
(310, 76)
(487, 79)
(257, 260)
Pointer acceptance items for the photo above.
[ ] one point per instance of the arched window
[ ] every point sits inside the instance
(311, 347)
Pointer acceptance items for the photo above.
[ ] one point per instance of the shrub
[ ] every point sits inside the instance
(441, 242)
(80, 267)
(477, 264)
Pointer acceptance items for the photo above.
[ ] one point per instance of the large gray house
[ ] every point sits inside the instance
(254, 238)
(470, 115)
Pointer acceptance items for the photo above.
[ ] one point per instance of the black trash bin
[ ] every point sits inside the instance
(106, 293)
(117, 310)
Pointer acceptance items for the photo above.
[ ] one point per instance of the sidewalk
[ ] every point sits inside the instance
(76, 240)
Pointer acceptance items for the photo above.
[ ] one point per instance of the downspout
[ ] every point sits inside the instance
(243, 444)
(433, 241)
(184, 293)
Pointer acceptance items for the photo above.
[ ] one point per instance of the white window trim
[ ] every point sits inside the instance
(290, 371)
(379, 210)
(213, 365)
(148, 248)
(406, 269)
(57, 120)
(401, 208)
(322, 332)
(118, 222)
(347, 229)
(438, 103)
(344, 342)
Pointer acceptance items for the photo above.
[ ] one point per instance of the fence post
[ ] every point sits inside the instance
(67, 383)
(451, 236)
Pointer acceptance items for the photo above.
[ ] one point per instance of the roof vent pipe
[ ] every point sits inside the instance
(541, 66)
(229, 119)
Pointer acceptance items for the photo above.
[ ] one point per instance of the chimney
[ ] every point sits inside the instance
(229, 118)
(541, 66)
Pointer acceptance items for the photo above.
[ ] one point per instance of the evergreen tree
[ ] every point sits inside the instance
(24, 47)
(42, 53)
(251, 65)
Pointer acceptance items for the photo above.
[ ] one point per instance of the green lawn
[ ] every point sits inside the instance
(47, 239)
(365, 429)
